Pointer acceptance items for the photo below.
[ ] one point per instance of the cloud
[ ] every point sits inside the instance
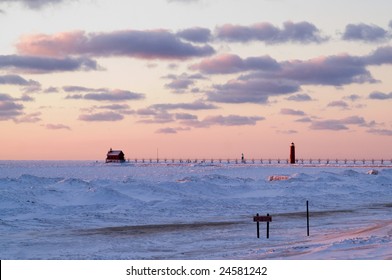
(185, 116)
(150, 44)
(57, 127)
(101, 117)
(304, 120)
(158, 117)
(171, 130)
(335, 70)
(230, 120)
(36, 64)
(300, 97)
(29, 118)
(9, 109)
(35, 4)
(382, 55)
(194, 106)
(339, 124)
(384, 132)
(102, 94)
(353, 97)
(380, 95)
(251, 90)
(301, 32)
(180, 85)
(364, 32)
(16, 80)
(183, 82)
(328, 125)
(287, 111)
(339, 103)
(195, 34)
(230, 63)
(167, 130)
(114, 95)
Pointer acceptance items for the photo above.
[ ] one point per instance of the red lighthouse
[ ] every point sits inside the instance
(292, 153)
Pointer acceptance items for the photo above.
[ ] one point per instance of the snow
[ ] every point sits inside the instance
(92, 210)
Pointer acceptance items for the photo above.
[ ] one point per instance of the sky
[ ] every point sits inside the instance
(195, 79)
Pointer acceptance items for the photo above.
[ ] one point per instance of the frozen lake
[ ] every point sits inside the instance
(91, 210)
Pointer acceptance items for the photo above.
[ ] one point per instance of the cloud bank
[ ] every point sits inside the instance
(150, 44)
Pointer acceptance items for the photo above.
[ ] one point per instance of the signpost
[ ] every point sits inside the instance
(259, 219)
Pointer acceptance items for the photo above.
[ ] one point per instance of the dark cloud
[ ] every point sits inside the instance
(251, 90)
(380, 95)
(51, 90)
(16, 80)
(8, 108)
(287, 111)
(335, 70)
(78, 89)
(114, 95)
(338, 103)
(102, 94)
(382, 55)
(194, 106)
(152, 44)
(101, 117)
(196, 34)
(301, 32)
(300, 97)
(180, 85)
(230, 63)
(171, 130)
(35, 64)
(364, 32)
(115, 107)
(185, 116)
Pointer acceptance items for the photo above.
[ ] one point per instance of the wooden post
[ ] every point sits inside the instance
(307, 216)
(267, 227)
(259, 219)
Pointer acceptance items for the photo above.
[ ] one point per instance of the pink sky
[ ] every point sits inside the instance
(213, 81)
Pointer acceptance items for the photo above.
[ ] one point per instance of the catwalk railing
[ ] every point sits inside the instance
(356, 162)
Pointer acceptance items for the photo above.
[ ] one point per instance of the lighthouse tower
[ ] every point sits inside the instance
(292, 153)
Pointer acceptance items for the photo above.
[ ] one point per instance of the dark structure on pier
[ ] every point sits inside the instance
(115, 156)
(292, 153)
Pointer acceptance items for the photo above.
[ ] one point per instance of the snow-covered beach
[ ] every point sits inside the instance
(92, 210)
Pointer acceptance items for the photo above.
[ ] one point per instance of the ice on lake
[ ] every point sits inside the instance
(91, 210)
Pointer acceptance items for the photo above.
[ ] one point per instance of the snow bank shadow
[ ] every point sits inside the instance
(155, 229)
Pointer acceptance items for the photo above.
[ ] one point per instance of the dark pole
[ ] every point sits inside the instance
(307, 215)
(267, 227)
(258, 227)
